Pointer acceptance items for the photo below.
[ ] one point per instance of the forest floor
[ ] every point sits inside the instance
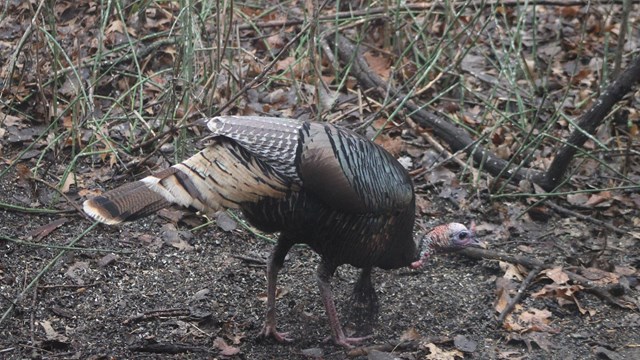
(202, 294)
(95, 94)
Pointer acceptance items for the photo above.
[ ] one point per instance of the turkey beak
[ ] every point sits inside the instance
(417, 264)
(201, 122)
(424, 255)
(473, 240)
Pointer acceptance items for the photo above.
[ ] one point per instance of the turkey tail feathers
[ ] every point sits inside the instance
(223, 175)
(128, 202)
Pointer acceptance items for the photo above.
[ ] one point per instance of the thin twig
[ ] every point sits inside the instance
(383, 11)
(72, 203)
(61, 247)
(532, 263)
(71, 286)
(603, 292)
(521, 291)
(23, 40)
(159, 314)
(235, 97)
(400, 345)
(565, 211)
(16, 208)
(440, 149)
(250, 259)
(478, 253)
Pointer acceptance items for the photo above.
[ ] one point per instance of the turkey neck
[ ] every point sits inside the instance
(363, 240)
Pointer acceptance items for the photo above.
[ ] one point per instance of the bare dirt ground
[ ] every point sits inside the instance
(203, 295)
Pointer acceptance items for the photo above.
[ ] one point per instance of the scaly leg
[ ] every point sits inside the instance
(276, 259)
(325, 272)
(364, 303)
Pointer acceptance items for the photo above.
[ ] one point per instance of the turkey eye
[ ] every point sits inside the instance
(463, 235)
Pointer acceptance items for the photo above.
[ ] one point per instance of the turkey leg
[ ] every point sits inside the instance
(276, 259)
(364, 306)
(324, 274)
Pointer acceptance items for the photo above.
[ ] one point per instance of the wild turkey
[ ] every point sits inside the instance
(317, 184)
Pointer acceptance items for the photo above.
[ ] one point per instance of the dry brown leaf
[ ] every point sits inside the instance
(439, 354)
(115, 26)
(465, 344)
(598, 199)
(171, 236)
(600, 277)
(225, 222)
(379, 64)
(537, 320)
(285, 63)
(530, 320)
(394, 145)
(423, 204)
(39, 233)
(540, 339)
(70, 180)
(10, 120)
(411, 334)
(564, 295)
(511, 355)
(578, 199)
(624, 270)
(525, 249)
(276, 41)
(225, 349)
(89, 193)
(511, 271)
(51, 333)
(557, 275)
(504, 289)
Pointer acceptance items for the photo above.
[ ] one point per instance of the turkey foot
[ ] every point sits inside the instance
(276, 260)
(269, 331)
(324, 273)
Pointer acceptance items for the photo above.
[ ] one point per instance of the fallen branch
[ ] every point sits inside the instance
(401, 345)
(477, 253)
(385, 11)
(587, 125)
(565, 211)
(603, 292)
(459, 140)
(251, 260)
(440, 149)
(158, 314)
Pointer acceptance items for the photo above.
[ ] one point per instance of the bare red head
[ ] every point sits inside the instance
(445, 238)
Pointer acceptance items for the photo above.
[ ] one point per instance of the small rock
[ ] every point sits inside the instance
(464, 344)
(107, 259)
(314, 353)
(200, 295)
(379, 355)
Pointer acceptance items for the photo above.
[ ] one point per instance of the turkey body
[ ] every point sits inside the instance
(315, 184)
